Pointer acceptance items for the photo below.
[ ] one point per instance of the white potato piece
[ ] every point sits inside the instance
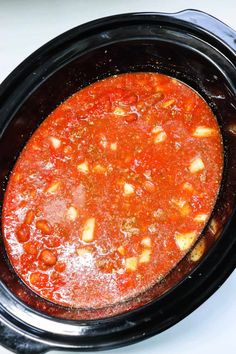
(188, 187)
(184, 241)
(128, 189)
(183, 206)
(113, 146)
(148, 174)
(198, 251)
(168, 103)
(88, 231)
(203, 132)
(119, 111)
(131, 263)
(121, 250)
(145, 256)
(196, 165)
(159, 134)
(53, 187)
(99, 169)
(146, 242)
(178, 202)
(82, 252)
(200, 218)
(213, 226)
(83, 167)
(72, 213)
(185, 210)
(55, 142)
(160, 137)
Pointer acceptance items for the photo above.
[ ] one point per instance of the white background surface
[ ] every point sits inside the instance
(25, 26)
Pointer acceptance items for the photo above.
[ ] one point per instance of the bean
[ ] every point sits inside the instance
(60, 267)
(44, 226)
(23, 233)
(38, 279)
(29, 217)
(48, 257)
(31, 248)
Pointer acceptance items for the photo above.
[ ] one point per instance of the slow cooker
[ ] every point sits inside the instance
(191, 46)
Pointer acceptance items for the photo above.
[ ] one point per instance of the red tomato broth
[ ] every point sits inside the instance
(103, 200)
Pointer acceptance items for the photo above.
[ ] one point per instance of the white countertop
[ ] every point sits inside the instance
(25, 26)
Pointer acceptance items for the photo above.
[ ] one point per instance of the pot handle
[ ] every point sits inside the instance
(211, 24)
(20, 344)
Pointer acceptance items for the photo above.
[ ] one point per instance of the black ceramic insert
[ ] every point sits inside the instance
(191, 46)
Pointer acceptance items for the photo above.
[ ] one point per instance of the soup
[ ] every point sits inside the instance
(112, 190)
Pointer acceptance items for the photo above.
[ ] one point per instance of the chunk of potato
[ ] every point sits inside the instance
(83, 167)
(160, 137)
(72, 213)
(146, 242)
(183, 206)
(200, 218)
(213, 226)
(184, 241)
(88, 231)
(203, 132)
(53, 187)
(119, 111)
(148, 174)
(188, 187)
(196, 165)
(83, 252)
(99, 169)
(145, 256)
(131, 263)
(113, 146)
(55, 142)
(168, 103)
(128, 189)
(121, 250)
(198, 251)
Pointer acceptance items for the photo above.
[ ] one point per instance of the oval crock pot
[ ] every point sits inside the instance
(191, 46)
